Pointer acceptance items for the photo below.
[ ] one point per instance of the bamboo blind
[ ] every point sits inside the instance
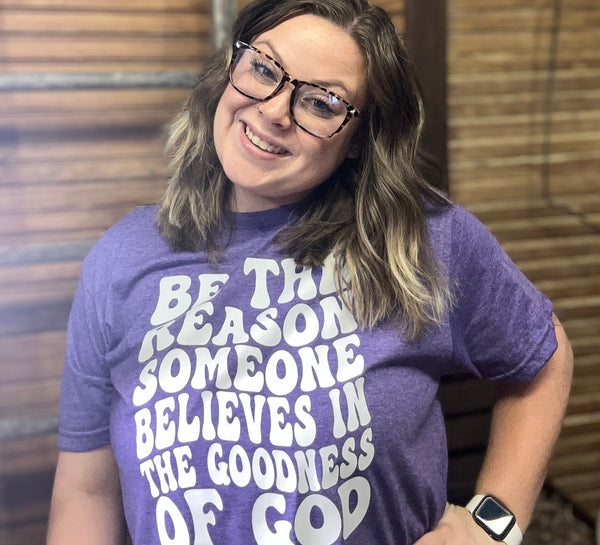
(524, 148)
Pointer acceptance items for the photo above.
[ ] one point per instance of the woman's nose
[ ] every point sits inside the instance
(277, 109)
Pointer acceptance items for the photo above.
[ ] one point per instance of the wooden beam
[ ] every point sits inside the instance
(222, 17)
(426, 39)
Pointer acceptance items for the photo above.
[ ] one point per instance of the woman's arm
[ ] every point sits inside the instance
(86, 506)
(525, 425)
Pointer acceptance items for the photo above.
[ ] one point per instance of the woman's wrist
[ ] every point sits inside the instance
(495, 518)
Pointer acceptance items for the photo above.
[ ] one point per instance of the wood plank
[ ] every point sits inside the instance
(48, 22)
(522, 103)
(538, 227)
(44, 354)
(562, 267)
(510, 210)
(33, 454)
(564, 245)
(497, 177)
(535, 161)
(54, 271)
(74, 66)
(16, 229)
(584, 403)
(492, 119)
(581, 203)
(569, 286)
(470, 53)
(523, 16)
(584, 385)
(580, 482)
(521, 125)
(581, 424)
(23, 147)
(116, 5)
(488, 5)
(33, 176)
(497, 43)
(36, 237)
(576, 443)
(33, 199)
(39, 292)
(514, 81)
(101, 50)
(149, 117)
(578, 307)
(514, 145)
(583, 328)
(30, 399)
(149, 107)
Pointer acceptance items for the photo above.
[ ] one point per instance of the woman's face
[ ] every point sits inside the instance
(310, 49)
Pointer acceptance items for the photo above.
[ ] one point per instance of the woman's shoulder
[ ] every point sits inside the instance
(140, 221)
(447, 212)
(137, 224)
(454, 222)
(131, 238)
(458, 236)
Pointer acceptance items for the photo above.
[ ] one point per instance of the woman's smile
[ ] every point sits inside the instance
(263, 144)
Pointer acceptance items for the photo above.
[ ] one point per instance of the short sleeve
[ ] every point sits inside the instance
(87, 390)
(501, 325)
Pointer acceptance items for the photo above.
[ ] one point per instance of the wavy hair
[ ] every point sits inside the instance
(370, 214)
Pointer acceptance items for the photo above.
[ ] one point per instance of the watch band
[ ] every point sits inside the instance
(514, 536)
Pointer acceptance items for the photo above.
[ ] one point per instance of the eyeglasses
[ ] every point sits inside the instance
(313, 108)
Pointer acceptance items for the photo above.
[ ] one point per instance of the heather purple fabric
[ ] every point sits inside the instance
(244, 404)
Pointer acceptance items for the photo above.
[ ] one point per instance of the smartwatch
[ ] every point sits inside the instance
(495, 519)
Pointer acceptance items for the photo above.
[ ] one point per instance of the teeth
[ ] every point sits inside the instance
(265, 146)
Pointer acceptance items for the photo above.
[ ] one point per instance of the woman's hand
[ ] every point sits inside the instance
(456, 527)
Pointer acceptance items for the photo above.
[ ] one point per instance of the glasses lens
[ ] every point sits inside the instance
(254, 74)
(318, 111)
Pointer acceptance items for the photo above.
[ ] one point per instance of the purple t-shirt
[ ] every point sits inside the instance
(244, 404)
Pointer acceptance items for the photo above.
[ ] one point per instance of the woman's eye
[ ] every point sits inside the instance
(263, 71)
(323, 106)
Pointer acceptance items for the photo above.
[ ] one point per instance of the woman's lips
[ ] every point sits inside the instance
(265, 146)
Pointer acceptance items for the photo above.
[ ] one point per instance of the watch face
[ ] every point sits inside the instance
(494, 518)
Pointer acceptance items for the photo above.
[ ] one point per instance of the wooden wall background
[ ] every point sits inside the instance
(72, 162)
(524, 155)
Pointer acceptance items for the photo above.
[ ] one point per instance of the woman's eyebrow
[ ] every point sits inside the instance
(323, 83)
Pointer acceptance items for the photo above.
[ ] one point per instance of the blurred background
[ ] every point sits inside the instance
(512, 92)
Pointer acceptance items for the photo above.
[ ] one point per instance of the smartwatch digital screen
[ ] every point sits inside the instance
(494, 518)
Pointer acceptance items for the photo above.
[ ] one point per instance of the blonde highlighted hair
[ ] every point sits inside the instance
(370, 214)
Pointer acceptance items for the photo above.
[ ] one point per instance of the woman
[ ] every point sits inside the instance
(257, 360)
